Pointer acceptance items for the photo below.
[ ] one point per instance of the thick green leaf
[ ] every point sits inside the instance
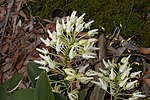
(24, 94)
(33, 71)
(82, 94)
(14, 81)
(10, 85)
(59, 96)
(43, 89)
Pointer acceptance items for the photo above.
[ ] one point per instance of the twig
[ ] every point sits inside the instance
(10, 5)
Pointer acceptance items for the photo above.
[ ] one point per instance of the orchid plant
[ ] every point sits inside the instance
(68, 44)
(118, 78)
(74, 40)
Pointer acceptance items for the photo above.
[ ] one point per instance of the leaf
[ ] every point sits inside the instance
(5, 47)
(59, 96)
(82, 94)
(147, 81)
(145, 50)
(43, 89)
(24, 94)
(14, 81)
(33, 71)
(20, 64)
(2, 13)
(10, 85)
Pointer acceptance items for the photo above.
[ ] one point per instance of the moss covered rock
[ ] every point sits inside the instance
(133, 15)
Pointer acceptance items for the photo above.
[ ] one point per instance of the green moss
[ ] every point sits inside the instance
(107, 13)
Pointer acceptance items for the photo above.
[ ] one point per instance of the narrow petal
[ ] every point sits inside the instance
(123, 83)
(134, 74)
(131, 84)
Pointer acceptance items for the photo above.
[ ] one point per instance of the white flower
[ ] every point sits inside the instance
(70, 71)
(79, 28)
(41, 62)
(138, 94)
(47, 42)
(92, 32)
(125, 73)
(58, 45)
(71, 74)
(105, 64)
(73, 95)
(43, 50)
(44, 68)
(134, 74)
(131, 84)
(73, 16)
(59, 28)
(83, 79)
(88, 55)
(125, 59)
(123, 83)
(72, 53)
(105, 72)
(112, 74)
(69, 26)
(83, 42)
(93, 73)
(63, 24)
(80, 20)
(112, 91)
(82, 68)
(88, 25)
(50, 63)
(53, 37)
(123, 67)
(104, 85)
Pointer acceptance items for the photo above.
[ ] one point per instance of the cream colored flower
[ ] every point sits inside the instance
(72, 53)
(130, 85)
(47, 42)
(125, 59)
(125, 73)
(112, 75)
(88, 25)
(124, 82)
(134, 74)
(93, 73)
(73, 95)
(59, 28)
(92, 32)
(43, 50)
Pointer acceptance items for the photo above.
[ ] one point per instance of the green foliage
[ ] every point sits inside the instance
(24, 94)
(33, 71)
(43, 89)
(10, 85)
(82, 94)
(132, 14)
(59, 96)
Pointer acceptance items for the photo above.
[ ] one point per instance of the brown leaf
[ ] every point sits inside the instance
(15, 57)
(5, 47)
(20, 64)
(145, 50)
(1, 1)
(51, 26)
(2, 13)
(147, 81)
(21, 13)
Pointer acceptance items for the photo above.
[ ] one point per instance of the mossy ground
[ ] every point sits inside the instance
(132, 14)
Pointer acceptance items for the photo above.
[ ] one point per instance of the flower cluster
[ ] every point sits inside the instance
(117, 77)
(72, 40)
